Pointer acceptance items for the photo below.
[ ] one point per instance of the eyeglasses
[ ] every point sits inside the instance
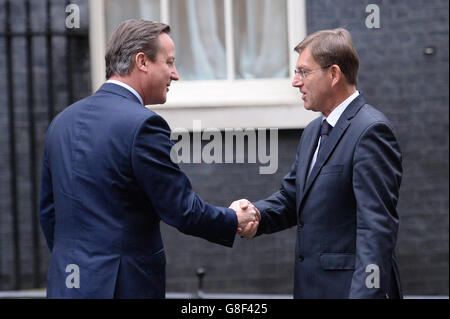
(302, 73)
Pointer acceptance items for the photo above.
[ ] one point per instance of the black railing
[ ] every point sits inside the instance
(28, 36)
(12, 145)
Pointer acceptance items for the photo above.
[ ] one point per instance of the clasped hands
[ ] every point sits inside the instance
(248, 217)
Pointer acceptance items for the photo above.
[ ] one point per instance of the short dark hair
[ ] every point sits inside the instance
(330, 47)
(128, 39)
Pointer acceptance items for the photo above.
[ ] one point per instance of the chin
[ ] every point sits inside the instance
(310, 107)
(161, 100)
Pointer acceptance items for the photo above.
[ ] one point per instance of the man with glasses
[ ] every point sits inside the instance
(343, 187)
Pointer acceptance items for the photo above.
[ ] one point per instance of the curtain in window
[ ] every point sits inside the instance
(198, 30)
(149, 9)
(260, 39)
(259, 31)
(117, 11)
(198, 33)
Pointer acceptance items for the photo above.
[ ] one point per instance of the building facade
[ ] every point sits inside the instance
(404, 71)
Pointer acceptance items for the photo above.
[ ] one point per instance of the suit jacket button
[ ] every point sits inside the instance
(301, 258)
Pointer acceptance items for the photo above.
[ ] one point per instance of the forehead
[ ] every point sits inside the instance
(306, 60)
(166, 45)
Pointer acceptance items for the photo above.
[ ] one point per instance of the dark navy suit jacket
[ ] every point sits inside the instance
(107, 181)
(345, 211)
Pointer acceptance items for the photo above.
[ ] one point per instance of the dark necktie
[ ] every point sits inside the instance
(325, 130)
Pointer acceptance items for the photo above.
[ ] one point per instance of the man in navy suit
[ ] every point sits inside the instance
(108, 180)
(342, 190)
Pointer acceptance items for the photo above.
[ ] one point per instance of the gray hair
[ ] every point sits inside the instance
(127, 40)
(330, 47)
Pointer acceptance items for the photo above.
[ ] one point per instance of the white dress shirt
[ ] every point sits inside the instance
(129, 88)
(332, 119)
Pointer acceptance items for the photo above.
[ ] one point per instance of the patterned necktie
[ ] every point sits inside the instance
(325, 131)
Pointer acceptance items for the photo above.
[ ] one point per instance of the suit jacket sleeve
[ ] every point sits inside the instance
(278, 211)
(47, 205)
(377, 175)
(170, 191)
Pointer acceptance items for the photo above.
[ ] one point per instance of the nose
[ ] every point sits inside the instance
(297, 81)
(174, 75)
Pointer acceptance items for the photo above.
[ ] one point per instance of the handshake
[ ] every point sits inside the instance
(248, 217)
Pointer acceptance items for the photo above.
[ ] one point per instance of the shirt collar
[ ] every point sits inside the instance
(129, 88)
(334, 116)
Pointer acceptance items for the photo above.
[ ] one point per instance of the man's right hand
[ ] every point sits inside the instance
(248, 217)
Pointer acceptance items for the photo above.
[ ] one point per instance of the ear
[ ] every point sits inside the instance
(141, 62)
(336, 74)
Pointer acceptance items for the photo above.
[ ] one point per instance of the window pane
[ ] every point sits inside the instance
(117, 11)
(260, 39)
(198, 32)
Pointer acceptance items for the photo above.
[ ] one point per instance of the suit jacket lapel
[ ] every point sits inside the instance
(310, 148)
(325, 152)
(333, 140)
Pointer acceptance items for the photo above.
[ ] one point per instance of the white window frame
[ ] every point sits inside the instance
(231, 103)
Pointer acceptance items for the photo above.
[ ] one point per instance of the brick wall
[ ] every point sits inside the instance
(261, 265)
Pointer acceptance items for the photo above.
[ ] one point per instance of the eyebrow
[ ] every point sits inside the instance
(303, 66)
